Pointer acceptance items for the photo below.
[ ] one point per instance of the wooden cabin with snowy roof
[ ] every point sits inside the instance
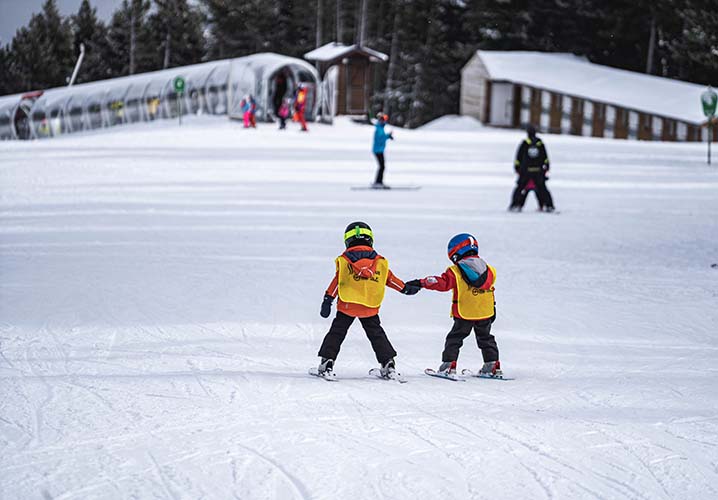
(348, 75)
(566, 94)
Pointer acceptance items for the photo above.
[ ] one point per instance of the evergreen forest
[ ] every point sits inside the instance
(428, 41)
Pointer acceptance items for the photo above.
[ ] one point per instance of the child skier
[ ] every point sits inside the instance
(283, 113)
(378, 147)
(360, 280)
(300, 106)
(473, 307)
(249, 109)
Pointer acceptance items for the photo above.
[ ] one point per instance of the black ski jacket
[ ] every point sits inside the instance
(531, 157)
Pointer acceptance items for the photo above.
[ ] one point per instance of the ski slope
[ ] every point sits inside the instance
(159, 309)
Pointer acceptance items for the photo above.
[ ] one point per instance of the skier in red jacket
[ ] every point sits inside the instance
(471, 281)
(300, 106)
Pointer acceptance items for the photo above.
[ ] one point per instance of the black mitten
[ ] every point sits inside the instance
(411, 287)
(326, 306)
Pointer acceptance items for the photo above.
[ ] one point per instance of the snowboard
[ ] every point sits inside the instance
(470, 373)
(433, 373)
(329, 378)
(385, 188)
(396, 376)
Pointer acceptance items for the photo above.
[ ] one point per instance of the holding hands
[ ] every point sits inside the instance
(411, 287)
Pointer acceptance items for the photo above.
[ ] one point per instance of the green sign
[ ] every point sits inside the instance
(709, 99)
(179, 85)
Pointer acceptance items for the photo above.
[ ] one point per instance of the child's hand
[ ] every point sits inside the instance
(411, 287)
(326, 309)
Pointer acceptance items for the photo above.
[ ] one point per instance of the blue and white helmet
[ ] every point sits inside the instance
(462, 245)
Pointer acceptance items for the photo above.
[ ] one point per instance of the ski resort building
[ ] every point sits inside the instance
(215, 88)
(566, 94)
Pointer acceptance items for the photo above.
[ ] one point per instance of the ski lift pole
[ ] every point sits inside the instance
(77, 65)
(709, 100)
(179, 86)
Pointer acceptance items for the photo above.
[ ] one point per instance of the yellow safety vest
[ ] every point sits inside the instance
(368, 292)
(473, 303)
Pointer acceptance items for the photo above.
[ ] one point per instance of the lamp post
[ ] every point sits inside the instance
(709, 100)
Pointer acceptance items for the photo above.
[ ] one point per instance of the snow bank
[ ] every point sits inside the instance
(453, 123)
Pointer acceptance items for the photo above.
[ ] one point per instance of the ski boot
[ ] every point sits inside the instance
(447, 367)
(326, 367)
(491, 369)
(388, 369)
(325, 370)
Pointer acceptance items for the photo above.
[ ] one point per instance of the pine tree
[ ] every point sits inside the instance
(176, 29)
(297, 22)
(427, 50)
(240, 27)
(41, 53)
(130, 41)
(91, 32)
(692, 51)
(7, 84)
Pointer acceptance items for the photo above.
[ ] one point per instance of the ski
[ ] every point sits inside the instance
(328, 377)
(448, 376)
(395, 376)
(469, 373)
(386, 188)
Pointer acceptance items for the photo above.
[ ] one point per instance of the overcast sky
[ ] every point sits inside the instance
(15, 14)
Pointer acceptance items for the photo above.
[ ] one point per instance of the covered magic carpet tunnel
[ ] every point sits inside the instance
(213, 88)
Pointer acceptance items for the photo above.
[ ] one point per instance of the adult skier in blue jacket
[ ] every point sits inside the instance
(380, 138)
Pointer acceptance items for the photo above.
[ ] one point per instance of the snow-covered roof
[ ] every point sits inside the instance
(334, 50)
(575, 76)
(140, 82)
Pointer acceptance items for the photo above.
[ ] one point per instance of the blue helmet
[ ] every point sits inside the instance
(462, 245)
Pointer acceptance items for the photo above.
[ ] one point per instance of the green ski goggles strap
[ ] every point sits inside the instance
(358, 231)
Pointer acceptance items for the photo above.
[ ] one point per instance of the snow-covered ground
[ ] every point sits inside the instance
(159, 308)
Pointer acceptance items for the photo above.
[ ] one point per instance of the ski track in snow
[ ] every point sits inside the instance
(159, 299)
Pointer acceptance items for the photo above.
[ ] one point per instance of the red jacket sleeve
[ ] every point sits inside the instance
(443, 283)
(333, 288)
(393, 282)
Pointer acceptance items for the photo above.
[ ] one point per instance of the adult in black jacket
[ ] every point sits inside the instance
(531, 165)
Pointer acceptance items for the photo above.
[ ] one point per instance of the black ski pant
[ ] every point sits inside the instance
(519, 197)
(462, 329)
(379, 173)
(383, 349)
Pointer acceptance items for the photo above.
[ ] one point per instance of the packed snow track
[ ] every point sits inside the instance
(159, 309)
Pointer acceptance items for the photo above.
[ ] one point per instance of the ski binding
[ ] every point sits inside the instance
(470, 373)
(395, 376)
(448, 376)
(328, 375)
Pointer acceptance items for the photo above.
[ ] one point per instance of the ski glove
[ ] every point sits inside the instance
(411, 287)
(326, 306)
